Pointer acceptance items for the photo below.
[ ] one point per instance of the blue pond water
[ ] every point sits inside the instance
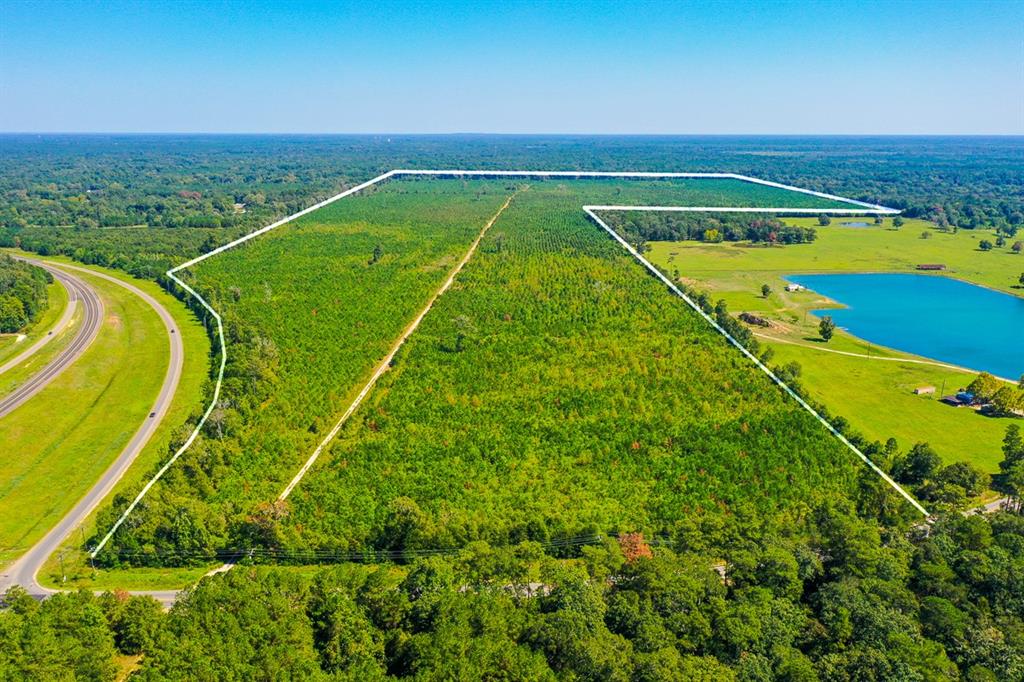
(935, 317)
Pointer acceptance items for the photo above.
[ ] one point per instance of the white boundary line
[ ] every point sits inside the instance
(590, 211)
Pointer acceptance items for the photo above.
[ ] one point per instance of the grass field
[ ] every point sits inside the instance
(57, 454)
(875, 396)
(56, 302)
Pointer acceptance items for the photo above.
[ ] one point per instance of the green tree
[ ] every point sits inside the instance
(984, 387)
(897, 222)
(919, 465)
(12, 315)
(826, 328)
(765, 291)
(824, 219)
(378, 253)
(985, 245)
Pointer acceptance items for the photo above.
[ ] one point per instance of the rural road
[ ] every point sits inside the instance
(92, 311)
(24, 571)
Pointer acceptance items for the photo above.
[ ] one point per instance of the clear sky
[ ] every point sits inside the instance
(513, 67)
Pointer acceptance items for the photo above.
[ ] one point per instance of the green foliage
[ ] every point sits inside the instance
(306, 317)
(826, 328)
(850, 600)
(64, 637)
(22, 293)
(586, 399)
(709, 227)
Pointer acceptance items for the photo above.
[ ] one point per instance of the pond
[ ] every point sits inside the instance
(934, 317)
(856, 224)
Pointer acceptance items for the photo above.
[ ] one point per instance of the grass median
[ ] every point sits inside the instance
(64, 438)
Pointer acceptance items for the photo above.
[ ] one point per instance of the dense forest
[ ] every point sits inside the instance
(244, 181)
(23, 293)
(832, 598)
(640, 226)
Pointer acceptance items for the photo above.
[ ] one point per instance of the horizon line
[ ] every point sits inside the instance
(490, 134)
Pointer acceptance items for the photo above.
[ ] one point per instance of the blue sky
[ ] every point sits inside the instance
(514, 67)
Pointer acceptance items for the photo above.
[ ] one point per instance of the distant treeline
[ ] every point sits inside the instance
(22, 293)
(239, 181)
(707, 227)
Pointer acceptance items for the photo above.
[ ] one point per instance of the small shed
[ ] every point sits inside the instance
(924, 390)
(794, 287)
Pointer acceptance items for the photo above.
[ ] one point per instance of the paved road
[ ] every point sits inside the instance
(51, 333)
(23, 571)
(92, 310)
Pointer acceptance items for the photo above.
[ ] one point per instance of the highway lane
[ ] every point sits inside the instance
(23, 572)
(51, 333)
(81, 294)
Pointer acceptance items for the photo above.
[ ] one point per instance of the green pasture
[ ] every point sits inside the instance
(875, 396)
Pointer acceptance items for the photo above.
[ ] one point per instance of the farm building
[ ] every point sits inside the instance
(924, 390)
(794, 287)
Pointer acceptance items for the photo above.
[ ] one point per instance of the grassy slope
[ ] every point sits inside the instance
(875, 396)
(56, 302)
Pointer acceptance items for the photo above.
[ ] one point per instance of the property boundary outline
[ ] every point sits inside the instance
(591, 211)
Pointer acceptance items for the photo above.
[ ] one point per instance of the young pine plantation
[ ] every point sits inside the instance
(555, 393)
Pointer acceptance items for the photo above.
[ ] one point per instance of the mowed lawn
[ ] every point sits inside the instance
(875, 396)
(58, 444)
(56, 302)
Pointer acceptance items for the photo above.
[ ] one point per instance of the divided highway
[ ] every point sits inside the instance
(23, 572)
(92, 311)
